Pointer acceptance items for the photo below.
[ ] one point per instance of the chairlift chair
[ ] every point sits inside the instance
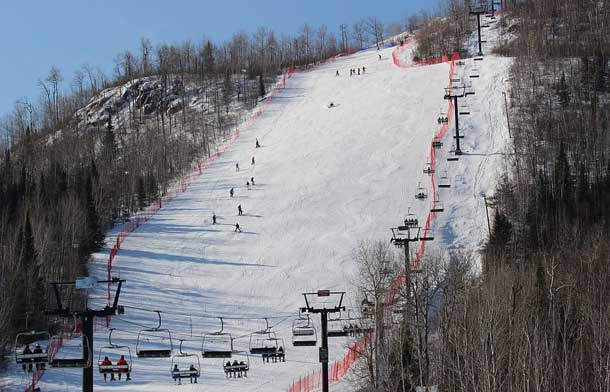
(217, 344)
(185, 365)
(464, 109)
(474, 73)
(411, 220)
(427, 235)
(420, 193)
(337, 327)
(69, 346)
(63, 349)
(304, 333)
(237, 369)
(25, 339)
(437, 206)
(114, 351)
(444, 181)
(428, 169)
(157, 336)
(436, 143)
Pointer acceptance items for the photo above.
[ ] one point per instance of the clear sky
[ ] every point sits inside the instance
(38, 34)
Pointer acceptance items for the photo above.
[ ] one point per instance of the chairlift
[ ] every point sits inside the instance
(266, 343)
(478, 58)
(154, 337)
(442, 118)
(185, 365)
(367, 307)
(111, 351)
(474, 73)
(217, 344)
(70, 350)
(237, 369)
(428, 169)
(411, 220)
(436, 143)
(337, 327)
(444, 181)
(464, 109)
(304, 333)
(427, 235)
(437, 206)
(469, 90)
(420, 193)
(24, 354)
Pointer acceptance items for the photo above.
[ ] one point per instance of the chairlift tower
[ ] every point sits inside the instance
(87, 317)
(324, 311)
(451, 95)
(478, 12)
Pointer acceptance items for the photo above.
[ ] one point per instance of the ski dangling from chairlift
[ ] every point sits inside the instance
(268, 345)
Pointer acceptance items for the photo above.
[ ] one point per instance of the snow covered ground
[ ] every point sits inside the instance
(325, 178)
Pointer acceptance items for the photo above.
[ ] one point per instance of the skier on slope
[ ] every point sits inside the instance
(252, 161)
(237, 167)
(231, 192)
(252, 180)
(337, 74)
(214, 218)
(257, 144)
(363, 69)
(248, 185)
(358, 70)
(237, 229)
(240, 212)
(379, 56)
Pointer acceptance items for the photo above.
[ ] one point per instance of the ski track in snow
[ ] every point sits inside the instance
(325, 178)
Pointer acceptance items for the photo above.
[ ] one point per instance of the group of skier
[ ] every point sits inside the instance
(37, 350)
(249, 184)
(354, 71)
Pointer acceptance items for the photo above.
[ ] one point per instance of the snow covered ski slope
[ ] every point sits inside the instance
(325, 178)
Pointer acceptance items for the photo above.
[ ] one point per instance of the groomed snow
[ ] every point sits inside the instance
(325, 179)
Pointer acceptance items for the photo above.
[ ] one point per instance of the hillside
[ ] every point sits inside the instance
(325, 178)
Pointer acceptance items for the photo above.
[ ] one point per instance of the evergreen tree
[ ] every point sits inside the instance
(501, 233)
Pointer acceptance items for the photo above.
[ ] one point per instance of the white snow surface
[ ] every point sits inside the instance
(325, 179)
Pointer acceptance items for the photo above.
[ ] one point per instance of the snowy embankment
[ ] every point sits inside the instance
(325, 178)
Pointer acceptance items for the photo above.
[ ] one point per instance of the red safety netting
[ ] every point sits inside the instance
(339, 369)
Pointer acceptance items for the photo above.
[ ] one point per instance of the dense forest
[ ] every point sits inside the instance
(97, 148)
(536, 316)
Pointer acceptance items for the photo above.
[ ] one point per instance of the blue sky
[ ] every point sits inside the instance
(35, 35)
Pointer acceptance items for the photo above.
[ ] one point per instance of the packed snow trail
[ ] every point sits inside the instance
(325, 179)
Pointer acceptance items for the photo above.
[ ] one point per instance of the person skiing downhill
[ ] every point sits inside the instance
(257, 143)
(252, 161)
(237, 167)
(231, 192)
(337, 74)
(248, 185)
(240, 212)
(237, 229)
(379, 57)
(363, 69)
(358, 71)
(214, 218)
(252, 180)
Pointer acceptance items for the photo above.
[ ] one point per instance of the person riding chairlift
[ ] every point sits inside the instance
(107, 362)
(124, 368)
